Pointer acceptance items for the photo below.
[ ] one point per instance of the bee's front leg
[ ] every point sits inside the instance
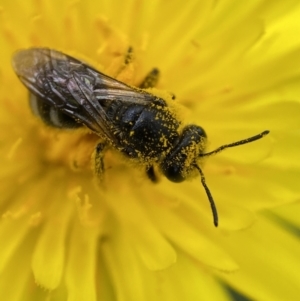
(151, 174)
(99, 164)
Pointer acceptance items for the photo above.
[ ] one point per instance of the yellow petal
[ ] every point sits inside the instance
(290, 214)
(268, 256)
(151, 246)
(49, 255)
(81, 264)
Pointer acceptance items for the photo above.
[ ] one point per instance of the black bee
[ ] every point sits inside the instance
(67, 93)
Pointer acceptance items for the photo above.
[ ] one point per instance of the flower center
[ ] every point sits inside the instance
(72, 149)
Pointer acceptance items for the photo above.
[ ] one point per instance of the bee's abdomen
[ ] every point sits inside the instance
(50, 115)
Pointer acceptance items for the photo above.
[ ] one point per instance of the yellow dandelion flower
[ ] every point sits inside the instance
(66, 234)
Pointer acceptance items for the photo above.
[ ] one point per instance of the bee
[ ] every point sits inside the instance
(67, 93)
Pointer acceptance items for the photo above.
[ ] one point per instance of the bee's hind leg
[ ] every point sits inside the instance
(150, 172)
(99, 164)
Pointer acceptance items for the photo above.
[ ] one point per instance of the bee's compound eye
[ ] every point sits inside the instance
(195, 130)
(173, 173)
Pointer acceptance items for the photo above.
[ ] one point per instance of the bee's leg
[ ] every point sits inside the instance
(127, 60)
(150, 80)
(151, 174)
(128, 56)
(99, 164)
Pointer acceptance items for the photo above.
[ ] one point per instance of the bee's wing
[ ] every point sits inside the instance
(74, 87)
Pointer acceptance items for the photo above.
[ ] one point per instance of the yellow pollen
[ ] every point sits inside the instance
(13, 149)
(72, 149)
(35, 219)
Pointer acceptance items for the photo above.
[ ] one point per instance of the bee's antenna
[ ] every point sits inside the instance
(210, 198)
(219, 149)
(244, 141)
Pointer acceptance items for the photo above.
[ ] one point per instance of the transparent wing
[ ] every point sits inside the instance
(75, 88)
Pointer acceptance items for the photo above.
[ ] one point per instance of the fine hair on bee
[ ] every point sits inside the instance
(67, 93)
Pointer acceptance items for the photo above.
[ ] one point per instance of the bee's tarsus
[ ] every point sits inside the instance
(99, 163)
(128, 56)
(151, 174)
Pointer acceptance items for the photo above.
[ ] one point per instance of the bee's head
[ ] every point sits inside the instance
(181, 160)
